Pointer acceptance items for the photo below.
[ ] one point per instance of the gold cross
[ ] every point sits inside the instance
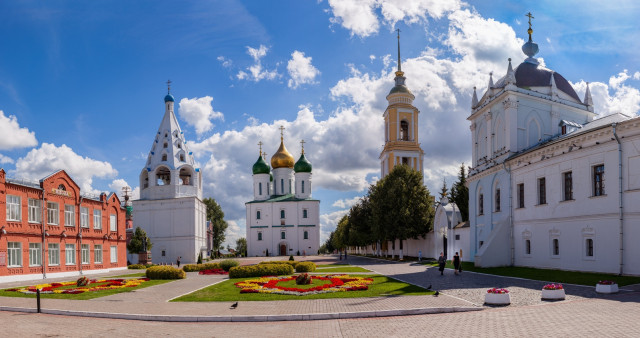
(260, 144)
(168, 86)
(302, 143)
(530, 17)
(281, 132)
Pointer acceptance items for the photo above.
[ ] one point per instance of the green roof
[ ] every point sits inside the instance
(261, 167)
(303, 165)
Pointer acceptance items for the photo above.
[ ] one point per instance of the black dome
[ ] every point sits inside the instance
(532, 75)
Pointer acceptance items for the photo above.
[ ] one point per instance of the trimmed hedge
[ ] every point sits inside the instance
(260, 270)
(306, 267)
(200, 267)
(293, 264)
(227, 264)
(136, 267)
(165, 272)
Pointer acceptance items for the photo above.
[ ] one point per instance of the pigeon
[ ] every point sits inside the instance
(436, 294)
(234, 305)
(429, 287)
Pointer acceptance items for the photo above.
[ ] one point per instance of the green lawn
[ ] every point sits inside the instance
(331, 265)
(342, 269)
(84, 295)
(556, 276)
(141, 274)
(226, 291)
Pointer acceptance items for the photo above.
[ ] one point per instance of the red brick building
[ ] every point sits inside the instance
(49, 229)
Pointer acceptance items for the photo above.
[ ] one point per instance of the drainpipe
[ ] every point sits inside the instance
(44, 231)
(621, 213)
(513, 248)
(80, 235)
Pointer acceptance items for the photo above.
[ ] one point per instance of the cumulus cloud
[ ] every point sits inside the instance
(43, 161)
(301, 70)
(198, 113)
(329, 222)
(346, 203)
(616, 97)
(235, 230)
(226, 63)
(117, 185)
(256, 71)
(14, 136)
(5, 159)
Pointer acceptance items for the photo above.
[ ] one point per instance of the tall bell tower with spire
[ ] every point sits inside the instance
(401, 144)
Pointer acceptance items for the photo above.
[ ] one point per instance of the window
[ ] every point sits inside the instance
(181, 157)
(568, 186)
(84, 253)
(53, 213)
(69, 215)
(527, 247)
(114, 254)
(480, 244)
(598, 180)
(165, 145)
(556, 247)
(70, 254)
(164, 253)
(564, 129)
(164, 157)
(13, 208)
(97, 219)
(457, 237)
(481, 204)
(260, 188)
(14, 251)
(521, 195)
(35, 213)
(54, 254)
(113, 223)
(589, 247)
(304, 213)
(35, 254)
(283, 235)
(302, 185)
(497, 200)
(97, 253)
(282, 213)
(84, 217)
(405, 161)
(404, 131)
(258, 214)
(289, 186)
(306, 235)
(259, 236)
(282, 186)
(542, 191)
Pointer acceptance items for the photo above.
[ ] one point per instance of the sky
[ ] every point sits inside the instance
(82, 83)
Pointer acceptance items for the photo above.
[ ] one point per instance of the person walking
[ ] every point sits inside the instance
(441, 262)
(456, 263)
(178, 261)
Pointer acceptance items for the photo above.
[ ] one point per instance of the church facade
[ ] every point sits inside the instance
(282, 219)
(551, 186)
(170, 208)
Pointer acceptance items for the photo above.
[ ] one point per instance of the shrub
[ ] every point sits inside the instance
(190, 267)
(136, 266)
(82, 281)
(260, 270)
(291, 258)
(200, 258)
(293, 264)
(303, 279)
(148, 265)
(306, 267)
(298, 253)
(228, 264)
(200, 267)
(165, 272)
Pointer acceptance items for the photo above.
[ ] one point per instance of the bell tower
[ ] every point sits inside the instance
(401, 144)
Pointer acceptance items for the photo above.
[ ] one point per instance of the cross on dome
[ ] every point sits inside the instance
(281, 133)
(260, 145)
(302, 144)
(168, 86)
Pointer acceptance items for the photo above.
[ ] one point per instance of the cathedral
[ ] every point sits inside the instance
(170, 208)
(282, 219)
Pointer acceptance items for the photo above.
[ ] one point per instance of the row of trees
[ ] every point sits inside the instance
(397, 207)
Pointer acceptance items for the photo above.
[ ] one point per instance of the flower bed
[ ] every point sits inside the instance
(553, 292)
(497, 296)
(330, 283)
(93, 285)
(606, 286)
(213, 272)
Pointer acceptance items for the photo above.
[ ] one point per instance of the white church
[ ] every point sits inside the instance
(282, 219)
(170, 208)
(551, 186)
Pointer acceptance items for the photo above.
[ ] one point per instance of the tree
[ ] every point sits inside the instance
(340, 235)
(359, 220)
(443, 190)
(460, 194)
(241, 246)
(218, 224)
(402, 206)
(138, 241)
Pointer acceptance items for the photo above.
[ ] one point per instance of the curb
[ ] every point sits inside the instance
(247, 318)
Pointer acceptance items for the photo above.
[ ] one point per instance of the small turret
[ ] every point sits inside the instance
(588, 101)
(510, 79)
(474, 99)
(303, 175)
(554, 88)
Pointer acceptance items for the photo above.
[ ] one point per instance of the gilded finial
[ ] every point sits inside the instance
(302, 144)
(168, 86)
(260, 145)
(281, 133)
(530, 30)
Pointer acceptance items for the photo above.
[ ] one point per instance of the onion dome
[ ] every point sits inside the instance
(169, 98)
(282, 158)
(303, 165)
(261, 167)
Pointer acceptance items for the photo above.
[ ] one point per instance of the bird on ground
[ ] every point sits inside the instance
(429, 287)
(436, 294)
(234, 305)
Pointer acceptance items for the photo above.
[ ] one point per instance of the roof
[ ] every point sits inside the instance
(532, 75)
(462, 225)
(282, 198)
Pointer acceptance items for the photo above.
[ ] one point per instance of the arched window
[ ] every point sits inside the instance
(165, 145)
(304, 213)
(556, 247)
(481, 204)
(527, 247)
(164, 157)
(163, 176)
(302, 185)
(283, 235)
(533, 133)
(306, 235)
(497, 199)
(282, 213)
(289, 185)
(259, 236)
(181, 157)
(185, 176)
(61, 187)
(258, 214)
(260, 188)
(282, 186)
(404, 130)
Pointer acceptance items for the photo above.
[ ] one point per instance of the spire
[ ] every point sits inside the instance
(554, 88)
(474, 99)
(511, 75)
(399, 60)
(530, 48)
(588, 101)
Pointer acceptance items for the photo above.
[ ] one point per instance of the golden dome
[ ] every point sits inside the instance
(282, 158)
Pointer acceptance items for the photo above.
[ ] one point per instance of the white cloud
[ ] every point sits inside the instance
(43, 161)
(617, 97)
(329, 222)
(357, 16)
(301, 70)
(5, 159)
(13, 136)
(346, 203)
(256, 72)
(226, 63)
(198, 113)
(236, 229)
(117, 185)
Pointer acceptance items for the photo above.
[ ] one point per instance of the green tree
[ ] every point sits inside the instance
(241, 246)
(137, 243)
(328, 247)
(460, 194)
(340, 236)
(444, 191)
(359, 219)
(402, 206)
(218, 224)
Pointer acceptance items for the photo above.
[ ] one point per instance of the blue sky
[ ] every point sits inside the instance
(82, 83)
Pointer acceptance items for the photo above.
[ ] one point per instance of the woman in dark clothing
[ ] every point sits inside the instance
(456, 263)
(441, 262)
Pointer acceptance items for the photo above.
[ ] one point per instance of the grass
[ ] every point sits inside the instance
(84, 295)
(331, 265)
(342, 269)
(556, 276)
(141, 274)
(226, 291)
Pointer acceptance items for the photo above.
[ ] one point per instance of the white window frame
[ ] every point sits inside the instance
(114, 254)
(35, 254)
(84, 254)
(13, 208)
(69, 215)
(113, 222)
(53, 213)
(84, 217)
(14, 254)
(97, 253)
(35, 210)
(69, 254)
(54, 254)
(97, 219)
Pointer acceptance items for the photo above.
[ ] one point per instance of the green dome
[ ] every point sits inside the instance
(302, 166)
(261, 167)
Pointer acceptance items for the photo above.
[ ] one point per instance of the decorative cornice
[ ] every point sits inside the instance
(508, 104)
